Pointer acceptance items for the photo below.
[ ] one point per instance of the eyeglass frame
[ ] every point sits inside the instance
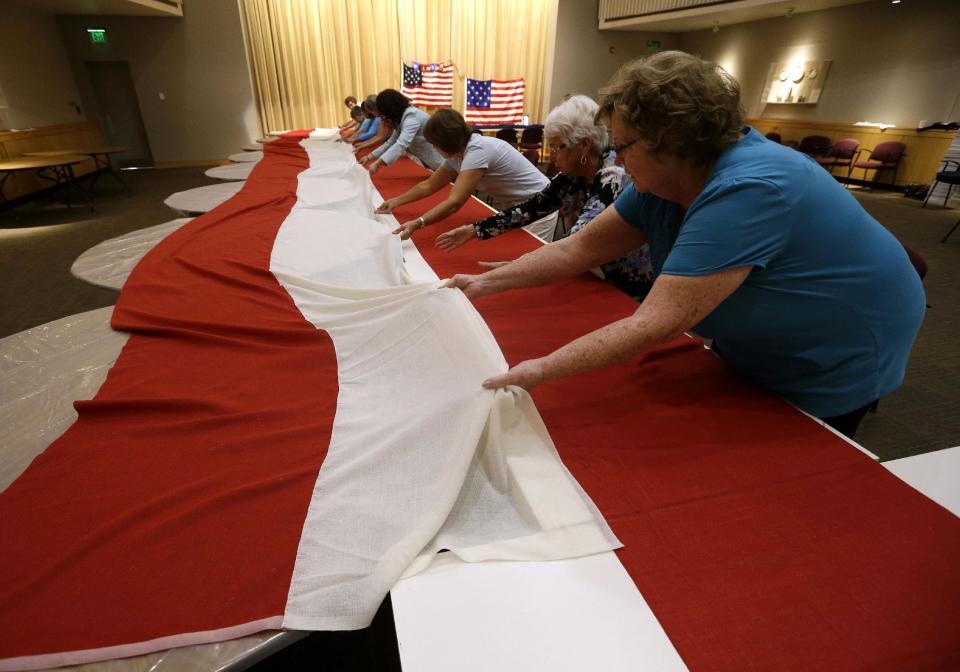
(619, 149)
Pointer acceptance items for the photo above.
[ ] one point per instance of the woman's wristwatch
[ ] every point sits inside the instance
(422, 221)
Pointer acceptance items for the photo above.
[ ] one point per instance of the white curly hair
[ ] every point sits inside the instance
(573, 120)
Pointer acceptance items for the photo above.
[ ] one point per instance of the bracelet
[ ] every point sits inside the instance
(422, 221)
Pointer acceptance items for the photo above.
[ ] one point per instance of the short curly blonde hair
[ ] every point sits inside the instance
(677, 103)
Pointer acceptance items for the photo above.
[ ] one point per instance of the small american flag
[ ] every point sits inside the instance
(428, 84)
(494, 101)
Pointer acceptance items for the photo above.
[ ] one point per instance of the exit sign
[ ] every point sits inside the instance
(97, 35)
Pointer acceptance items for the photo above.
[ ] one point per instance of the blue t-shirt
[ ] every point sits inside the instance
(831, 309)
(370, 131)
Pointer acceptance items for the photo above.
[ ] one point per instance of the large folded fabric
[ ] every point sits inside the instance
(247, 465)
(760, 539)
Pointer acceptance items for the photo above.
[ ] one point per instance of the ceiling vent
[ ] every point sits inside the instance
(686, 15)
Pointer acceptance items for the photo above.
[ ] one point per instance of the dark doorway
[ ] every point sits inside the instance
(119, 110)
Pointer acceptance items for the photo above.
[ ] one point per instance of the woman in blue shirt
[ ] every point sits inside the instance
(377, 132)
(755, 246)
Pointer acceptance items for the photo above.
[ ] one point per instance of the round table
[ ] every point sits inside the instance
(57, 168)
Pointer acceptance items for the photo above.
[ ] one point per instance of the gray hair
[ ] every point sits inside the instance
(573, 120)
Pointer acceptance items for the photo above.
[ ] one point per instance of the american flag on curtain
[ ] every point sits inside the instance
(428, 84)
(494, 101)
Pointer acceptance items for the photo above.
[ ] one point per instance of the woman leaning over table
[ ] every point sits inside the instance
(408, 122)
(375, 132)
(800, 288)
(589, 180)
(365, 120)
(477, 162)
(350, 102)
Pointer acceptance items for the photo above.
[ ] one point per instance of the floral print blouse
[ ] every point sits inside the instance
(577, 201)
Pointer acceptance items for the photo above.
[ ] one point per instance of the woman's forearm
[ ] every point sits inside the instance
(608, 345)
(551, 262)
(441, 211)
(420, 190)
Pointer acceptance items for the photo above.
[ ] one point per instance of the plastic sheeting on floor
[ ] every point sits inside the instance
(203, 199)
(109, 264)
(44, 370)
(231, 171)
(245, 157)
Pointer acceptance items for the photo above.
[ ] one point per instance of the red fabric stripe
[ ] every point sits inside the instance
(761, 540)
(175, 503)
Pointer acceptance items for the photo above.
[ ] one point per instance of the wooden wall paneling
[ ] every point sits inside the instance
(925, 149)
(47, 138)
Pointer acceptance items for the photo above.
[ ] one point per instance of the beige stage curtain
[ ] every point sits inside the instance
(306, 56)
(487, 39)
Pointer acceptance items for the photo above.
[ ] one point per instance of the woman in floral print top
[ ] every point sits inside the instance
(588, 181)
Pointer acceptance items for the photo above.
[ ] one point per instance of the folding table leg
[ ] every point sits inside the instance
(3, 181)
(71, 180)
(950, 232)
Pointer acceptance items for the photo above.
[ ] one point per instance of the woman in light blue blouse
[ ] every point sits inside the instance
(408, 122)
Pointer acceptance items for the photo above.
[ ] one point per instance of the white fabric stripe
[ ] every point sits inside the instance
(427, 96)
(493, 121)
(421, 456)
(496, 109)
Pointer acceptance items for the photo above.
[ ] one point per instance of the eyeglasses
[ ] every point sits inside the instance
(619, 148)
(556, 148)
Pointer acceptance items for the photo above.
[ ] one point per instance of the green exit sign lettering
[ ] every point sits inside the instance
(97, 35)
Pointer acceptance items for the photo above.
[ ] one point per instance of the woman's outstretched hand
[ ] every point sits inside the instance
(526, 374)
(454, 238)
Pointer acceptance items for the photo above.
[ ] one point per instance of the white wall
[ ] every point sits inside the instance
(197, 62)
(895, 64)
(35, 75)
(582, 61)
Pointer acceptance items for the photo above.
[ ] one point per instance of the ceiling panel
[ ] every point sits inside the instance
(108, 7)
(679, 16)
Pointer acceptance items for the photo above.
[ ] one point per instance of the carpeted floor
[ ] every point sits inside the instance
(41, 239)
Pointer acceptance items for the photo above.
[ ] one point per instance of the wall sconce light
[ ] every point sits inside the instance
(716, 27)
(789, 12)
